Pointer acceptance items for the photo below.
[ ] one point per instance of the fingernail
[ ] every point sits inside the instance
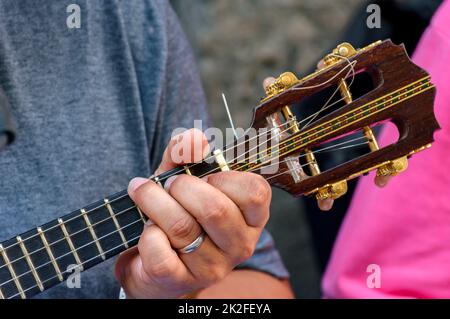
(149, 222)
(169, 181)
(135, 183)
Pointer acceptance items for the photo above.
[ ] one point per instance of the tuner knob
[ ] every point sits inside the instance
(332, 191)
(393, 167)
(343, 50)
(283, 82)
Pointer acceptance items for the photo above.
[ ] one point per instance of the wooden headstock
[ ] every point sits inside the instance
(402, 94)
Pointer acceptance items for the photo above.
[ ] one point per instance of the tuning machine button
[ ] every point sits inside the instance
(332, 191)
(393, 167)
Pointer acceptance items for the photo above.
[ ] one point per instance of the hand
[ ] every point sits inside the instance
(327, 204)
(231, 207)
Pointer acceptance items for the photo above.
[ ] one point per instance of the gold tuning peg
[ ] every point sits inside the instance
(282, 83)
(343, 50)
(332, 191)
(393, 167)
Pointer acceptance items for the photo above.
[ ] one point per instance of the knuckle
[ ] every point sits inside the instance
(259, 192)
(215, 210)
(245, 253)
(180, 183)
(182, 228)
(159, 268)
(215, 274)
(144, 192)
(218, 179)
(160, 271)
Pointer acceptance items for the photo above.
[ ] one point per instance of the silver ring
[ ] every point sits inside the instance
(194, 245)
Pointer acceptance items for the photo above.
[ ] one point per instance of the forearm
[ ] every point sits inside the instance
(248, 284)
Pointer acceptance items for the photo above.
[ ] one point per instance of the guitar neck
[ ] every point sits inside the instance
(47, 255)
(43, 257)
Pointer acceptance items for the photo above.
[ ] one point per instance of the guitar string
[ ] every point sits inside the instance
(106, 235)
(352, 69)
(62, 239)
(72, 252)
(103, 205)
(244, 141)
(316, 152)
(312, 116)
(93, 258)
(167, 177)
(350, 64)
(289, 151)
(325, 128)
(116, 199)
(340, 148)
(300, 146)
(87, 212)
(390, 105)
(125, 210)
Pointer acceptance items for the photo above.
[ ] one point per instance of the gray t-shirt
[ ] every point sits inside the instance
(94, 107)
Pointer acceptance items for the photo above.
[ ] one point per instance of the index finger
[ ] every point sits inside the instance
(191, 146)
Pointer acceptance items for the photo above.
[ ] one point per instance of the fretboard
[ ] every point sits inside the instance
(47, 255)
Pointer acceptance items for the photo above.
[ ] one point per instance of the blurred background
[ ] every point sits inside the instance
(238, 43)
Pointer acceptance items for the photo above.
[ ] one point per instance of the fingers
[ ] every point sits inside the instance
(159, 261)
(218, 215)
(153, 269)
(189, 147)
(252, 196)
(163, 210)
(173, 229)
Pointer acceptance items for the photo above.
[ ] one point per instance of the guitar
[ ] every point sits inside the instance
(402, 94)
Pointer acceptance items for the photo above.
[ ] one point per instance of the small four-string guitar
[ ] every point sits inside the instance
(402, 94)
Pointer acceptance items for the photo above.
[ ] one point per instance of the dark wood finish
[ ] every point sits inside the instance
(391, 69)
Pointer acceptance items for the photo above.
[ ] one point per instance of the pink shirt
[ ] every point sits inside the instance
(404, 228)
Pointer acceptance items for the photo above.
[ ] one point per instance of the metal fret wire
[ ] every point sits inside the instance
(93, 258)
(72, 251)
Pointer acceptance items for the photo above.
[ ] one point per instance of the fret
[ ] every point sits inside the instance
(129, 217)
(187, 170)
(30, 263)
(50, 254)
(141, 215)
(220, 160)
(93, 234)
(69, 241)
(116, 223)
(157, 181)
(1, 294)
(105, 229)
(195, 170)
(12, 272)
